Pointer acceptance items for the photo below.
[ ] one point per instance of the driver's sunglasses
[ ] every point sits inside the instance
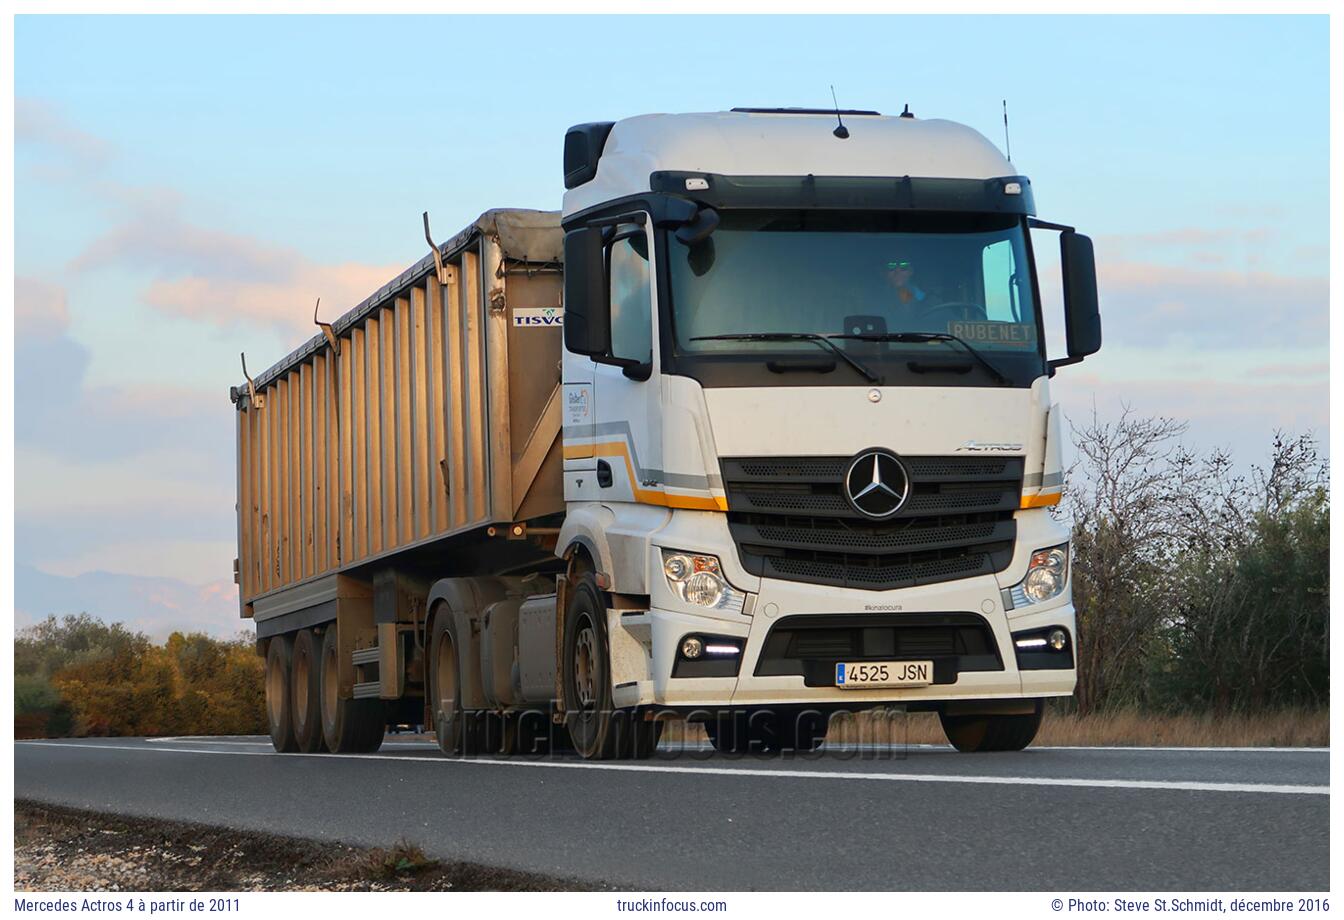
(902, 266)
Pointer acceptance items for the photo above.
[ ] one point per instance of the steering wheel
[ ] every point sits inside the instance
(969, 311)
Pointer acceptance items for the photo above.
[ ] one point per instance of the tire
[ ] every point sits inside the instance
(305, 692)
(279, 708)
(597, 731)
(460, 733)
(973, 734)
(348, 726)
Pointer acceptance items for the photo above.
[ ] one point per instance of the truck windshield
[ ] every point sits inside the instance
(860, 278)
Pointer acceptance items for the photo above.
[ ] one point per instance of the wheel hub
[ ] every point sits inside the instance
(585, 666)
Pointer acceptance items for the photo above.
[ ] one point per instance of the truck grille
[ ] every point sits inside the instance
(791, 520)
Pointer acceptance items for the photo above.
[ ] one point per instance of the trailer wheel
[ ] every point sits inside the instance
(305, 693)
(976, 734)
(458, 731)
(279, 707)
(348, 726)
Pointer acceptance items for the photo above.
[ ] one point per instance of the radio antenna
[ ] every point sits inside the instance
(840, 130)
(1008, 145)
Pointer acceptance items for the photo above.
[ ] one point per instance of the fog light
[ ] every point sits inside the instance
(691, 647)
(1058, 639)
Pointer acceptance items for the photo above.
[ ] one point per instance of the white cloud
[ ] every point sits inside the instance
(42, 125)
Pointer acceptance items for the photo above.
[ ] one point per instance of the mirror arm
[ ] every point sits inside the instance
(1037, 224)
(1056, 363)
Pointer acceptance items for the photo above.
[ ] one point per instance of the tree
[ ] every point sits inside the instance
(1194, 585)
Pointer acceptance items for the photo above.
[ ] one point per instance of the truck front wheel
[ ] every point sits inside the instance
(597, 730)
(981, 733)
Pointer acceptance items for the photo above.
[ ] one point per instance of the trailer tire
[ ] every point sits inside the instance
(348, 726)
(305, 693)
(458, 731)
(972, 734)
(597, 731)
(279, 705)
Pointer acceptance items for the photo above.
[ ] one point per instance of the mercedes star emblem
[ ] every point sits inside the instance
(876, 484)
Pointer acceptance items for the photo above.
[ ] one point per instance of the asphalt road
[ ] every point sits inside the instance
(1055, 819)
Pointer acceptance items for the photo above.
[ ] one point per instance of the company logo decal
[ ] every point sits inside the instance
(534, 317)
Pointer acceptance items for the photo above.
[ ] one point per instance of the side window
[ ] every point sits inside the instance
(631, 301)
(1002, 294)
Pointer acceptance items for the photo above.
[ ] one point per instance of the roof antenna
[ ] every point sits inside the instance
(1006, 143)
(840, 130)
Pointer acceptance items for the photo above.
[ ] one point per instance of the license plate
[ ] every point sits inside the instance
(863, 675)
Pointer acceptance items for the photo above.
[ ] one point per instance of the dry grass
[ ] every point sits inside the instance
(66, 849)
(1124, 728)
(401, 861)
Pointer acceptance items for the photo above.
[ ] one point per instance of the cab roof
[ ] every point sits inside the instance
(783, 143)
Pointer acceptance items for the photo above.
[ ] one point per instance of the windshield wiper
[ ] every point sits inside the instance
(971, 350)
(823, 341)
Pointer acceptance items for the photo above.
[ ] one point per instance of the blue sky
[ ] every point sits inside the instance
(185, 187)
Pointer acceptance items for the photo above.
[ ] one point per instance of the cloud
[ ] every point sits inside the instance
(158, 239)
(118, 488)
(41, 309)
(1144, 303)
(285, 303)
(1149, 304)
(224, 279)
(155, 606)
(41, 124)
(1241, 416)
(1305, 370)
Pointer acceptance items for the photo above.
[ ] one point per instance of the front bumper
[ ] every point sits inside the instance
(645, 643)
(660, 632)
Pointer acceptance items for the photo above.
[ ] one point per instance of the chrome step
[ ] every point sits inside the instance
(369, 690)
(365, 655)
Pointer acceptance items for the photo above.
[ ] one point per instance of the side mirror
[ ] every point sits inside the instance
(1082, 315)
(587, 308)
(698, 229)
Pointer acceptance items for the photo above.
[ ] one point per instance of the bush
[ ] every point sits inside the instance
(80, 676)
(1195, 587)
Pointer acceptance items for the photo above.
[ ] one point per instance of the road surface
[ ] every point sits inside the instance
(922, 818)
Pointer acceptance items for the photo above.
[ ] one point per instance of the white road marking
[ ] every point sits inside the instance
(705, 746)
(1081, 782)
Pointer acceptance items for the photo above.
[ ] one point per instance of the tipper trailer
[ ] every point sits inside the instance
(756, 430)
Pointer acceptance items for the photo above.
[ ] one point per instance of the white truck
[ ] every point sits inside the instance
(785, 448)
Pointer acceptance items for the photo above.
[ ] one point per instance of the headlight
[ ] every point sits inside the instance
(1047, 574)
(697, 580)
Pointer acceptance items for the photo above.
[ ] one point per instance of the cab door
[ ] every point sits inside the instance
(628, 435)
